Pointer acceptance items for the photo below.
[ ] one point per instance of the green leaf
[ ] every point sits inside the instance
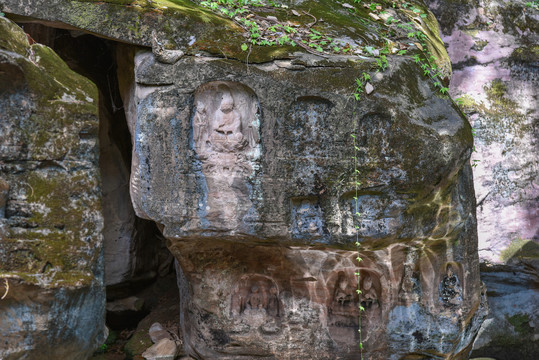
(244, 47)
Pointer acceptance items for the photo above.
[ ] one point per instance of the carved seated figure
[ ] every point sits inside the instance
(226, 132)
(343, 297)
(369, 292)
(450, 291)
(255, 300)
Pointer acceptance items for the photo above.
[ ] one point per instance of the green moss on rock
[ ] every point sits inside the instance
(56, 186)
(16, 41)
(138, 343)
(192, 27)
(521, 324)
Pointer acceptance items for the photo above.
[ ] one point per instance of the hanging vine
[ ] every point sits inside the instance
(357, 214)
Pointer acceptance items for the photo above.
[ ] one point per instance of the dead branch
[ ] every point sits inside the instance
(7, 289)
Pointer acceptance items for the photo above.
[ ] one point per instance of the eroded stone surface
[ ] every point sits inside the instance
(493, 48)
(50, 222)
(250, 178)
(248, 171)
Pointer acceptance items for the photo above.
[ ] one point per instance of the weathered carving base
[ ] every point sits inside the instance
(281, 302)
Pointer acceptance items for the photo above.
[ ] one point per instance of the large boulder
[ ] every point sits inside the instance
(51, 257)
(249, 171)
(495, 56)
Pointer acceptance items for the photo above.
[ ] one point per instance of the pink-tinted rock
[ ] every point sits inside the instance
(493, 48)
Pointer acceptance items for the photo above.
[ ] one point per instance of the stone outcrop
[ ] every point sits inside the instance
(244, 157)
(131, 245)
(51, 259)
(249, 175)
(493, 48)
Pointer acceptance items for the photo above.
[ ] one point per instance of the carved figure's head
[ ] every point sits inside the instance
(227, 101)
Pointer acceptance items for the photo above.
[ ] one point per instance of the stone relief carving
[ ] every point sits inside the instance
(306, 218)
(369, 292)
(227, 142)
(256, 294)
(377, 218)
(344, 301)
(450, 288)
(226, 120)
(410, 286)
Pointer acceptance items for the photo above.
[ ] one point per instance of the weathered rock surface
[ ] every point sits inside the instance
(50, 225)
(249, 172)
(157, 333)
(131, 248)
(250, 177)
(131, 21)
(494, 51)
(164, 349)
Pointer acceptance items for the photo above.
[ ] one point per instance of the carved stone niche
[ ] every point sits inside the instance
(226, 125)
(450, 288)
(307, 220)
(344, 302)
(226, 139)
(255, 306)
(256, 294)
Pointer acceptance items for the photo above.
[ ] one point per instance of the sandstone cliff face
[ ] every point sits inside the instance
(249, 170)
(51, 261)
(493, 48)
